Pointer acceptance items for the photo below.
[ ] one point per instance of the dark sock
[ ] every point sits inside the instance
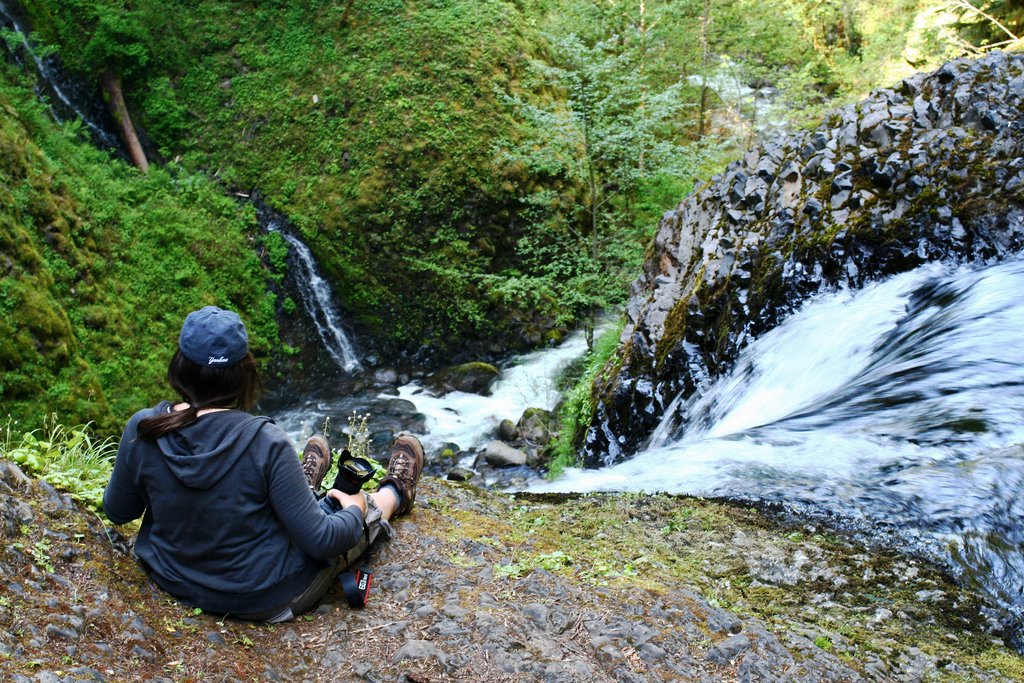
(398, 494)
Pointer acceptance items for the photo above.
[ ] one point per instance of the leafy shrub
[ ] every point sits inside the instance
(577, 409)
(70, 458)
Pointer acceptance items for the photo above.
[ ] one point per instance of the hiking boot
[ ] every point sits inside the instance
(404, 469)
(316, 460)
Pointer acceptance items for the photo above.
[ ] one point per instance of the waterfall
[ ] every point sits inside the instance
(743, 104)
(897, 409)
(468, 420)
(315, 294)
(73, 100)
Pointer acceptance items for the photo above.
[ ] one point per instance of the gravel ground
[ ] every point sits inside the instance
(479, 586)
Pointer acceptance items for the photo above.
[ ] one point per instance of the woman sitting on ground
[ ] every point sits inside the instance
(230, 520)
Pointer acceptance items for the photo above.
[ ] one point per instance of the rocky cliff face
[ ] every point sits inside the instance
(932, 169)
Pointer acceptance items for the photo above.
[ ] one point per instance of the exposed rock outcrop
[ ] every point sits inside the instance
(931, 170)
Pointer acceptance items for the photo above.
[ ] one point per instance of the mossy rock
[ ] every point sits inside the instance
(741, 253)
(537, 426)
(471, 378)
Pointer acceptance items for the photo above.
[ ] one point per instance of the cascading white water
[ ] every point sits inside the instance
(469, 420)
(318, 301)
(58, 84)
(757, 107)
(898, 408)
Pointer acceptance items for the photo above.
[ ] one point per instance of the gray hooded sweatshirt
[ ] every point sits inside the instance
(229, 523)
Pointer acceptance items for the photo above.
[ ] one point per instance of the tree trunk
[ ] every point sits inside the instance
(704, 21)
(643, 80)
(115, 102)
(348, 8)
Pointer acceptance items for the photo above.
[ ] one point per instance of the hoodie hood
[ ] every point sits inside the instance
(202, 453)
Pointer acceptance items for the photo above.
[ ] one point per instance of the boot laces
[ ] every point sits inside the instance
(403, 463)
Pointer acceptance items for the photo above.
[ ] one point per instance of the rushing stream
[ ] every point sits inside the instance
(897, 410)
(467, 420)
(470, 420)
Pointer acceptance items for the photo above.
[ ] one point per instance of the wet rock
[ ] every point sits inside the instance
(812, 209)
(842, 182)
(863, 171)
(881, 174)
(507, 430)
(380, 440)
(536, 426)
(500, 454)
(462, 474)
(472, 378)
(445, 454)
(385, 376)
(399, 407)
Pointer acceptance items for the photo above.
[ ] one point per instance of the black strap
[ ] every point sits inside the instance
(356, 584)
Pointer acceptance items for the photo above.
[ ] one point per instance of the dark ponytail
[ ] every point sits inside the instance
(204, 386)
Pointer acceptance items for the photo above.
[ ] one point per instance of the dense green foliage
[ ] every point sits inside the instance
(576, 412)
(373, 137)
(612, 134)
(382, 136)
(403, 140)
(100, 266)
(74, 459)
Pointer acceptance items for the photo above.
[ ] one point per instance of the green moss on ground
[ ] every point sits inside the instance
(865, 603)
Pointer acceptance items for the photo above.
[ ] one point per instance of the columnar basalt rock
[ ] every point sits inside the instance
(930, 170)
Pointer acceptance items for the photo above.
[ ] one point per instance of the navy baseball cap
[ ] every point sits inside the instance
(213, 336)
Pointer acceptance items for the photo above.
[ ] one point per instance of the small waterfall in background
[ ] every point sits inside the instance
(742, 105)
(69, 98)
(896, 411)
(315, 293)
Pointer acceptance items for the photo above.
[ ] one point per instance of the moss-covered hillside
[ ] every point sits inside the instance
(372, 128)
(100, 264)
(376, 126)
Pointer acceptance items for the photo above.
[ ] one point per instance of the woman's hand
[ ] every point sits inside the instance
(345, 500)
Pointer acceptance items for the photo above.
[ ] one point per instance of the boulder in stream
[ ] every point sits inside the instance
(471, 378)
